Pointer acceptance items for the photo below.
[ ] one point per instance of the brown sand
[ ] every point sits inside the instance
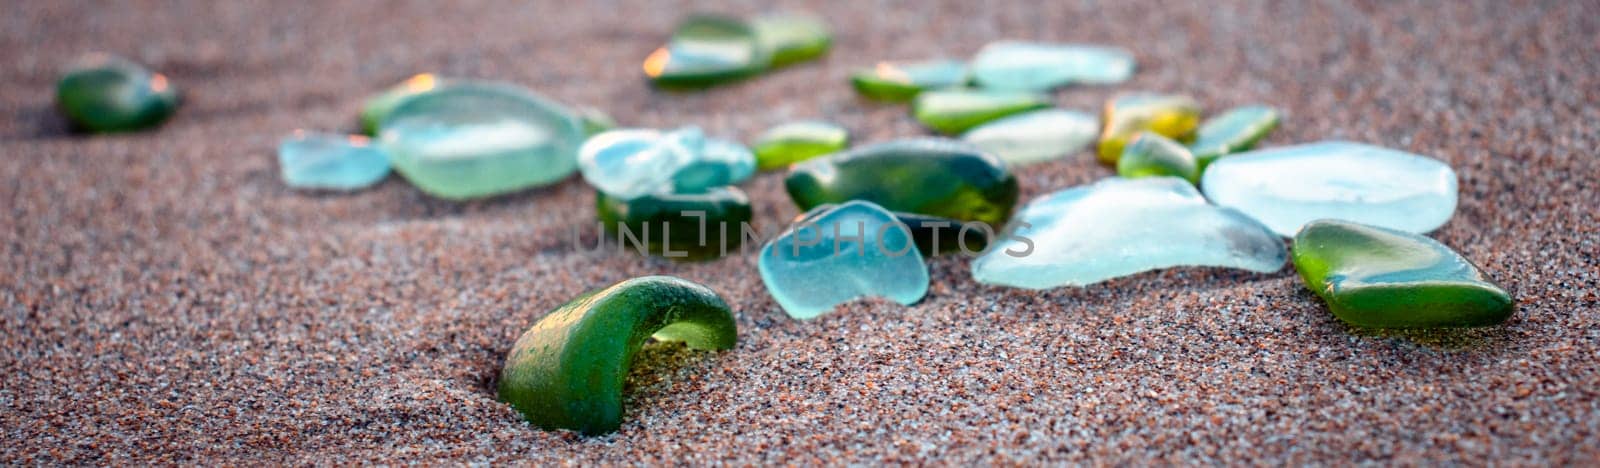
(164, 298)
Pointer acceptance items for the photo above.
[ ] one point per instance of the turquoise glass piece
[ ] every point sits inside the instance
(1153, 155)
(954, 111)
(331, 162)
(1287, 187)
(901, 81)
(1233, 131)
(106, 93)
(791, 38)
(707, 50)
(1036, 136)
(1383, 278)
(1118, 227)
(467, 140)
(1033, 66)
(836, 254)
(631, 163)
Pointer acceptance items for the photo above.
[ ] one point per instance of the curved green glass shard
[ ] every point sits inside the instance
(1385, 278)
(957, 110)
(680, 226)
(105, 93)
(707, 50)
(901, 81)
(567, 371)
(931, 176)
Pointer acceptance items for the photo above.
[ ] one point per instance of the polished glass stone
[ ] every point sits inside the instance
(1236, 130)
(937, 236)
(958, 110)
(378, 107)
(569, 369)
(1033, 66)
(692, 226)
(836, 254)
(1153, 155)
(630, 163)
(1118, 227)
(792, 38)
(707, 50)
(1172, 116)
(331, 162)
(104, 93)
(1376, 277)
(901, 81)
(477, 139)
(929, 176)
(1034, 137)
(798, 141)
(595, 121)
(1287, 187)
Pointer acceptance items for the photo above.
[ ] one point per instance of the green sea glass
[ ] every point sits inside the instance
(567, 371)
(791, 38)
(929, 176)
(1153, 155)
(378, 107)
(105, 93)
(957, 110)
(707, 50)
(680, 226)
(901, 81)
(1233, 131)
(1376, 277)
(1125, 116)
(798, 141)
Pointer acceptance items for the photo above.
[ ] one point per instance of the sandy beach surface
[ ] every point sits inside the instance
(165, 298)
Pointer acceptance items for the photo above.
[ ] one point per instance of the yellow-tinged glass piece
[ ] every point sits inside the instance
(1171, 116)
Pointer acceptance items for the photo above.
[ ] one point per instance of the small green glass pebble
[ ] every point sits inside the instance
(569, 369)
(957, 110)
(792, 38)
(798, 141)
(105, 93)
(929, 176)
(378, 107)
(1153, 155)
(901, 81)
(1125, 116)
(1376, 277)
(707, 50)
(698, 226)
(1233, 131)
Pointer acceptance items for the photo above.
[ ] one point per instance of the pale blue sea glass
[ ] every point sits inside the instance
(835, 254)
(329, 161)
(476, 139)
(1033, 66)
(1118, 227)
(630, 163)
(1036, 136)
(1287, 187)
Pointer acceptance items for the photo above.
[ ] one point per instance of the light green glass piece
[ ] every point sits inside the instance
(792, 38)
(1377, 277)
(1233, 131)
(478, 139)
(958, 110)
(1125, 116)
(1153, 155)
(378, 107)
(901, 81)
(798, 141)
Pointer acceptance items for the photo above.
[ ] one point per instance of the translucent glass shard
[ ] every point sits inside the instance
(634, 162)
(1035, 136)
(836, 254)
(1032, 66)
(332, 162)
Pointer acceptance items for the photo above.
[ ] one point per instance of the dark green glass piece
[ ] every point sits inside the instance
(928, 176)
(1376, 277)
(707, 50)
(567, 371)
(899, 82)
(105, 93)
(1153, 155)
(1233, 131)
(698, 226)
(956, 110)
